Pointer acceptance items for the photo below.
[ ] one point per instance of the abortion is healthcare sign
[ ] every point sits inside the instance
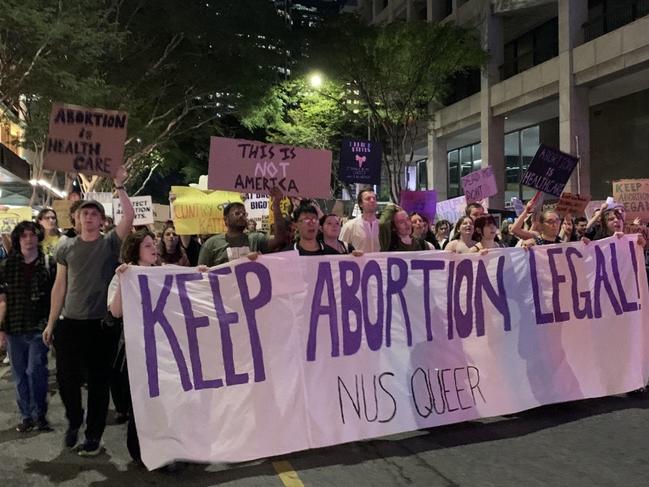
(85, 140)
(260, 358)
(360, 162)
(248, 166)
(549, 170)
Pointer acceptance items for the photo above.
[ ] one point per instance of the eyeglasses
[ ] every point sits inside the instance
(308, 220)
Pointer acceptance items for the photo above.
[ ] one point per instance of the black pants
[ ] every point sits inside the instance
(83, 345)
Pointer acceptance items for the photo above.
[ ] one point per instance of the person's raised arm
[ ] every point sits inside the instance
(517, 227)
(58, 296)
(128, 214)
(279, 239)
(595, 217)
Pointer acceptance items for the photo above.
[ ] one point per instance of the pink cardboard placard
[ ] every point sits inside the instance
(423, 202)
(572, 204)
(249, 166)
(85, 140)
(479, 184)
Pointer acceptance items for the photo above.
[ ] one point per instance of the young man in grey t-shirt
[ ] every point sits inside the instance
(85, 266)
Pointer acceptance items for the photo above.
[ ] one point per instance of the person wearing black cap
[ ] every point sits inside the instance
(85, 266)
(234, 243)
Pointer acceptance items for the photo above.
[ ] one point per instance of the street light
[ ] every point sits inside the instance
(315, 80)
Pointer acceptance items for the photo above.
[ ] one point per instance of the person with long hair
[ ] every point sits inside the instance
(421, 229)
(47, 219)
(396, 232)
(486, 234)
(462, 236)
(568, 232)
(442, 231)
(170, 249)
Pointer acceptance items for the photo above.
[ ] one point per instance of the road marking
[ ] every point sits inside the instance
(286, 474)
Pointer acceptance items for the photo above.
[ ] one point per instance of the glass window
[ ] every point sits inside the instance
(477, 156)
(529, 145)
(466, 161)
(453, 173)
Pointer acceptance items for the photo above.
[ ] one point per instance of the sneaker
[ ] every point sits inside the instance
(26, 426)
(90, 448)
(71, 437)
(42, 424)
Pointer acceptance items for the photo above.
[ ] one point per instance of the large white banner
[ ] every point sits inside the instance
(255, 359)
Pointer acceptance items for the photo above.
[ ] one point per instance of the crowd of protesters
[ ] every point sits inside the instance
(61, 288)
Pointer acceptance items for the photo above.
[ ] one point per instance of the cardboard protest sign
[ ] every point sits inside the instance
(258, 209)
(62, 209)
(286, 376)
(571, 204)
(12, 216)
(634, 195)
(143, 207)
(85, 140)
(592, 207)
(360, 162)
(423, 202)
(479, 185)
(549, 170)
(453, 209)
(161, 213)
(518, 205)
(248, 166)
(198, 212)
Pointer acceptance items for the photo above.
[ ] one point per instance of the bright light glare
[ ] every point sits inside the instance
(315, 80)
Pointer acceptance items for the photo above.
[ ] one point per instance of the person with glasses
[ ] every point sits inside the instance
(235, 242)
(307, 225)
(47, 219)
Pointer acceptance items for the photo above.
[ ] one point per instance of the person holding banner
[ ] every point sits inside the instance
(330, 226)
(462, 241)
(26, 280)
(486, 234)
(85, 266)
(307, 224)
(235, 243)
(363, 231)
(421, 229)
(396, 232)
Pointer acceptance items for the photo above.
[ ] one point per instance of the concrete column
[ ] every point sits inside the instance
(574, 113)
(410, 12)
(492, 128)
(437, 164)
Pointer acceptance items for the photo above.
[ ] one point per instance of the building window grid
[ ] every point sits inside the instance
(525, 150)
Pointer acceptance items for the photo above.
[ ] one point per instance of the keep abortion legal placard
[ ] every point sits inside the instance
(255, 359)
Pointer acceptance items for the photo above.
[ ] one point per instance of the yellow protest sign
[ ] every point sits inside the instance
(62, 209)
(10, 217)
(199, 212)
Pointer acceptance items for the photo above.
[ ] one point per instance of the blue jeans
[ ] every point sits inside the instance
(29, 368)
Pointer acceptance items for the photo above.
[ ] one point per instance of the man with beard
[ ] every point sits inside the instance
(235, 243)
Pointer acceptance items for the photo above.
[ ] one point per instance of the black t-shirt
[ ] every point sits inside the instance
(541, 241)
(302, 251)
(328, 250)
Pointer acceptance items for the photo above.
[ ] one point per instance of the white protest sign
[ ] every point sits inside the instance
(142, 206)
(289, 353)
(103, 197)
(258, 209)
(454, 208)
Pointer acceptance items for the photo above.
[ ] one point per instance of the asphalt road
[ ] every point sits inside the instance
(598, 442)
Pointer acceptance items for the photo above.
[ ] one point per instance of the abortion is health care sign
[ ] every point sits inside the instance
(360, 162)
(85, 140)
(549, 170)
(248, 166)
(260, 362)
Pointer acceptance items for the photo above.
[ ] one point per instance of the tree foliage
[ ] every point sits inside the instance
(174, 66)
(295, 113)
(397, 69)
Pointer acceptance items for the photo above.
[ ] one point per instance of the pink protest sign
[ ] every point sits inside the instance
(85, 140)
(423, 202)
(249, 166)
(479, 184)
